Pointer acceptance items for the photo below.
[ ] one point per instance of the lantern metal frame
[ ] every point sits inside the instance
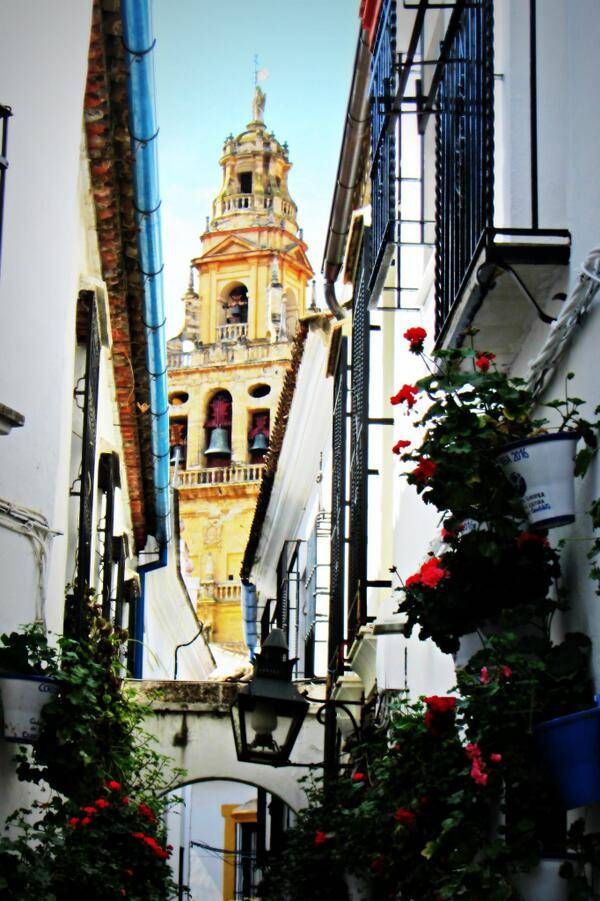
(271, 685)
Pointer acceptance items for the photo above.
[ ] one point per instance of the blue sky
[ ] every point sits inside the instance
(204, 73)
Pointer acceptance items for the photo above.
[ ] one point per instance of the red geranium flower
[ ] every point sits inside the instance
(483, 360)
(496, 758)
(531, 538)
(86, 821)
(441, 705)
(484, 675)
(407, 393)
(358, 777)
(404, 816)
(377, 865)
(430, 575)
(473, 751)
(89, 810)
(113, 785)
(506, 671)
(424, 470)
(478, 773)
(74, 822)
(147, 812)
(439, 716)
(320, 837)
(400, 445)
(102, 803)
(415, 336)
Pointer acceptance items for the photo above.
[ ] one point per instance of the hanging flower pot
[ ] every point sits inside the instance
(569, 748)
(542, 471)
(23, 698)
(359, 888)
(544, 881)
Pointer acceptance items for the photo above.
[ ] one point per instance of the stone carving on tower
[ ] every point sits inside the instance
(247, 292)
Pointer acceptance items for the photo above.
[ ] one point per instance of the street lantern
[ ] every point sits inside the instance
(268, 712)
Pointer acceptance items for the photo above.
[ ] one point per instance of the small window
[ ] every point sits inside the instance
(177, 398)
(245, 183)
(259, 390)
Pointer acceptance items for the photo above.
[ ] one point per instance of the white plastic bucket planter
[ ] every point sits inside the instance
(23, 698)
(542, 471)
(359, 889)
(543, 882)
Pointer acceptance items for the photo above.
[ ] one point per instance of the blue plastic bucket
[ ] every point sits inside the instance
(570, 753)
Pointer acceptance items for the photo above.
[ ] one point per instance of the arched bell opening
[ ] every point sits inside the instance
(258, 435)
(234, 304)
(178, 441)
(218, 430)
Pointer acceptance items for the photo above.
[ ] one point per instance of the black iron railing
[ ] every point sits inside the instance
(108, 481)
(5, 114)
(335, 637)
(359, 456)
(338, 515)
(89, 394)
(383, 145)
(464, 148)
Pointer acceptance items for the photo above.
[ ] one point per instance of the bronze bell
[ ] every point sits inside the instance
(176, 453)
(219, 443)
(260, 443)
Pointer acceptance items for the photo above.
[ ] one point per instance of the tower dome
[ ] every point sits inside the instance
(255, 168)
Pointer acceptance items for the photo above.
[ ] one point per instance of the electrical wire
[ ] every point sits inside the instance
(34, 526)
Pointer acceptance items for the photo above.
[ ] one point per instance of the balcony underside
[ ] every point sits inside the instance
(511, 284)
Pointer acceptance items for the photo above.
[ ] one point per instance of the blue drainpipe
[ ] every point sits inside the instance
(139, 44)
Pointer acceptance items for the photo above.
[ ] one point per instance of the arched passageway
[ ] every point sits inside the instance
(192, 726)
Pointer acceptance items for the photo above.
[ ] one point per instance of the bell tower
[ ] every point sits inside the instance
(247, 293)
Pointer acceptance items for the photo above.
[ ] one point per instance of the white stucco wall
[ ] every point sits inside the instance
(300, 487)
(41, 252)
(42, 241)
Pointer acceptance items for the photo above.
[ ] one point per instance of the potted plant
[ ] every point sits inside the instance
(27, 667)
(569, 748)
(479, 418)
(111, 846)
(482, 579)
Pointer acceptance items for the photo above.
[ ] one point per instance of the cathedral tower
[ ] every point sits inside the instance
(246, 294)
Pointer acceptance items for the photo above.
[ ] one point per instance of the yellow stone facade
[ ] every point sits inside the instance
(251, 275)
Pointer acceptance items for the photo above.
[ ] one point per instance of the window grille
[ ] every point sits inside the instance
(108, 481)
(86, 481)
(464, 142)
(359, 461)
(338, 514)
(383, 143)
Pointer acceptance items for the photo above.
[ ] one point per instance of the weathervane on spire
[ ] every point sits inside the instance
(258, 102)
